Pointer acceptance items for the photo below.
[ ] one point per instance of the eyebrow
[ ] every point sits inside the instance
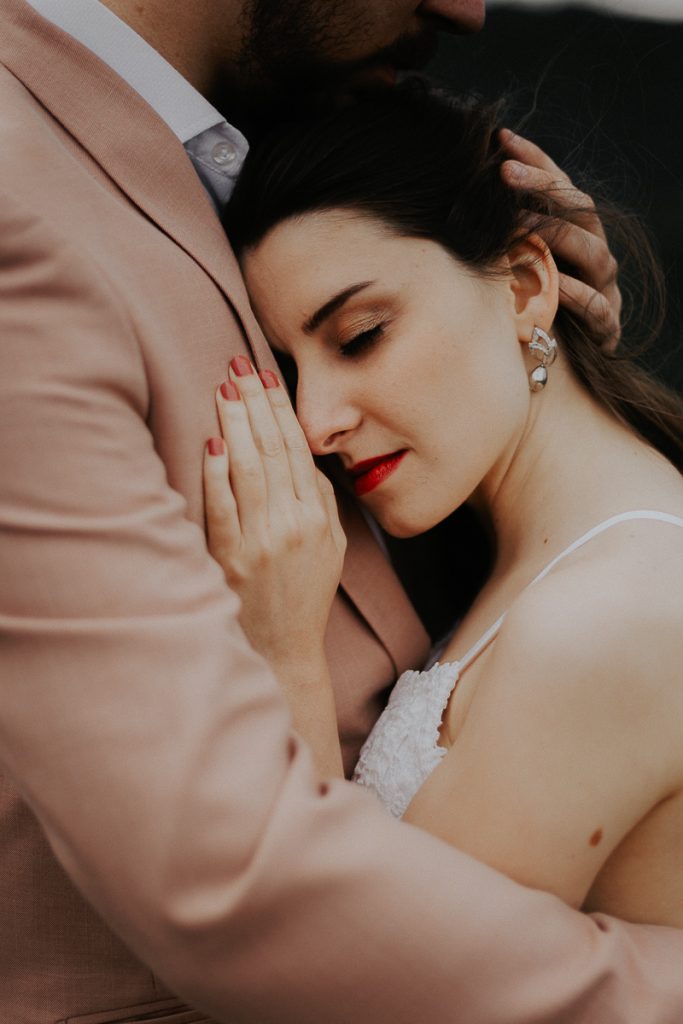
(332, 305)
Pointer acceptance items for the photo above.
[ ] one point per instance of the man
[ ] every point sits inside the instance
(150, 769)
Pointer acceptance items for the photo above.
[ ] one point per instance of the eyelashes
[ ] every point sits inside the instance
(362, 342)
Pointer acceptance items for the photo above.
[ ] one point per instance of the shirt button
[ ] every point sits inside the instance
(224, 153)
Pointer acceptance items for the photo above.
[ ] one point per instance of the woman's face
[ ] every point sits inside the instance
(409, 364)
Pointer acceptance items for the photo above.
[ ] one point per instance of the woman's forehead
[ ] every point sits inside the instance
(308, 263)
(305, 258)
(317, 249)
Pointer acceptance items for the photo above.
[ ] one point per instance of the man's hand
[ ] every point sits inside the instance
(594, 293)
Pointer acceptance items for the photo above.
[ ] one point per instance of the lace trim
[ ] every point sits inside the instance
(403, 748)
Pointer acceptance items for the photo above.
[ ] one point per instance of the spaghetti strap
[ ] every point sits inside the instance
(623, 517)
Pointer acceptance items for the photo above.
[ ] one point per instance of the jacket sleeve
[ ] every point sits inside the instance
(155, 749)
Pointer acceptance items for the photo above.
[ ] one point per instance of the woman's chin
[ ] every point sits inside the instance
(404, 528)
(411, 523)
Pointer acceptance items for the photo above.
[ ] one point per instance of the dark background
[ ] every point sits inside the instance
(606, 101)
(606, 96)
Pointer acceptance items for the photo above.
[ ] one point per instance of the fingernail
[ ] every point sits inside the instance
(215, 446)
(241, 366)
(269, 379)
(230, 391)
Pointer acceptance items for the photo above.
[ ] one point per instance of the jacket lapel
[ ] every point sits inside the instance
(130, 143)
(377, 593)
(137, 150)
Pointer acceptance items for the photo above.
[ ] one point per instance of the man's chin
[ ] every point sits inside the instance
(409, 53)
(264, 105)
(255, 105)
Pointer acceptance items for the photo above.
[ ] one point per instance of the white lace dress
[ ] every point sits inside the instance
(403, 750)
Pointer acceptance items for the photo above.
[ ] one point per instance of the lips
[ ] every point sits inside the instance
(385, 73)
(409, 53)
(372, 472)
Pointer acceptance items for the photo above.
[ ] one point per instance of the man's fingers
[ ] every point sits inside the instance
(599, 310)
(585, 250)
(580, 240)
(527, 152)
(535, 179)
(530, 167)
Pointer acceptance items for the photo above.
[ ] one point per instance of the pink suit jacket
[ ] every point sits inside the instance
(158, 819)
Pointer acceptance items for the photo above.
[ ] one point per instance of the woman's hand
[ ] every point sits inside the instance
(271, 517)
(273, 526)
(594, 293)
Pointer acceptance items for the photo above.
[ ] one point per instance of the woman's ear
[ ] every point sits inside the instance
(534, 285)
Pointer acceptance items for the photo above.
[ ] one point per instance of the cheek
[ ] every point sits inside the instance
(463, 427)
(383, 20)
(482, 426)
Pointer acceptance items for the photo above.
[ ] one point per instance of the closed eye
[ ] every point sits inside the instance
(361, 342)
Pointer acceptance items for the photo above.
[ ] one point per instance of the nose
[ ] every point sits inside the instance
(455, 15)
(327, 415)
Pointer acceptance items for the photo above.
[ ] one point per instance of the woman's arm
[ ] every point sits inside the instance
(572, 736)
(540, 782)
(273, 526)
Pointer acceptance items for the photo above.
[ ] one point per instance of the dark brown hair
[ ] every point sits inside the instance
(428, 165)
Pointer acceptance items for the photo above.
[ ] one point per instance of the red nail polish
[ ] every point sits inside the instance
(269, 379)
(241, 366)
(215, 446)
(230, 391)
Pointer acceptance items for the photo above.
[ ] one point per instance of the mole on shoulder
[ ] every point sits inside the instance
(596, 837)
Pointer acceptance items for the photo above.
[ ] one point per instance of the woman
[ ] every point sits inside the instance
(386, 259)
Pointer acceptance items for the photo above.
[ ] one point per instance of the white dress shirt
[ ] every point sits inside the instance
(217, 149)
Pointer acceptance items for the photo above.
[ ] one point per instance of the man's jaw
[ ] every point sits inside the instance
(254, 105)
(409, 53)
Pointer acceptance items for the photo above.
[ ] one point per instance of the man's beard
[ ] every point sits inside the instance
(289, 43)
(293, 61)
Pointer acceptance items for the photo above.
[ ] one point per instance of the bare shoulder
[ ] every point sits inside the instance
(573, 732)
(614, 598)
(599, 641)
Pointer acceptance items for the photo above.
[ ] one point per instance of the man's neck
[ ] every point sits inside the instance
(198, 39)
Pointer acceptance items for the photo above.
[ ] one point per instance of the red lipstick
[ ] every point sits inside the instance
(372, 472)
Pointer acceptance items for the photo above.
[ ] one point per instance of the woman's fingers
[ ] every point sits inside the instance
(244, 464)
(222, 520)
(302, 468)
(271, 468)
(266, 437)
(282, 554)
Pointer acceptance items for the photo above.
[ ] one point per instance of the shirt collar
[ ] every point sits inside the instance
(186, 112)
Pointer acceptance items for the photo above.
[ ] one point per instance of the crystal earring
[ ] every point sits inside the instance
(544, 349)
